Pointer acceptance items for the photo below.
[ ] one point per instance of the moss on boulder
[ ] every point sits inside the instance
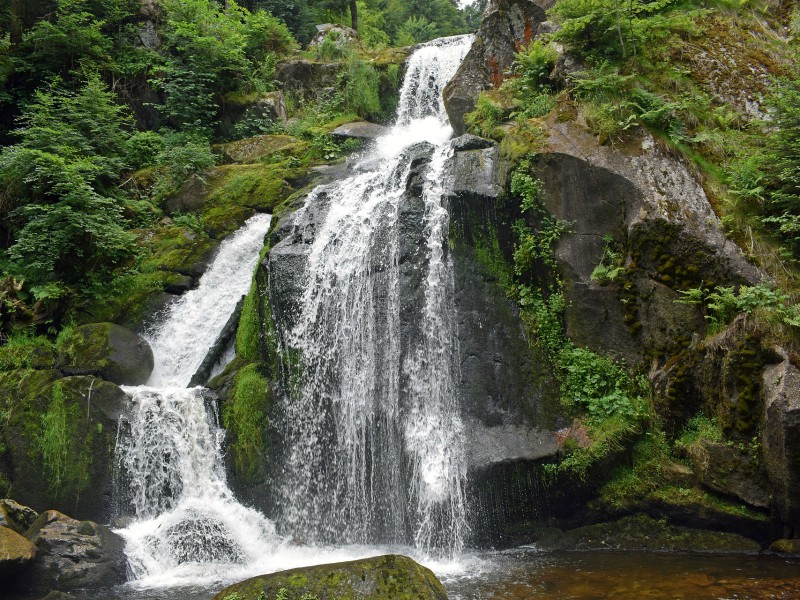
(106, 350)
(378, 578)
(641, 532)
(57, 439)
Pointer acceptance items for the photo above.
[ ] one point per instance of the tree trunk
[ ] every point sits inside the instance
(354, 15)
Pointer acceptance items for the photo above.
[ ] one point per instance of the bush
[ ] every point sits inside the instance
(360, 90)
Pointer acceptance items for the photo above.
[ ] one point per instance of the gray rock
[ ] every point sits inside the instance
(72, 555)
(781, 438)
(470, 142)
(724, 469)
(378, 578)
(107, 350)
(342, 35)
(306, 79)
(360, 130)
(16, 552)
(149, 36)
(506, 25)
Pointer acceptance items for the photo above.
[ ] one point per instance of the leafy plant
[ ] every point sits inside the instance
(611, 263)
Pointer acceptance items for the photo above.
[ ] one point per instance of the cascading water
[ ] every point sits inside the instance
(373, 433)
(172, 475)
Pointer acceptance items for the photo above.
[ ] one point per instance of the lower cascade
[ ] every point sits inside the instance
(372, 450)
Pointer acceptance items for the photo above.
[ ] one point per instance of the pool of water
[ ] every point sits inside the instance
(526, 572)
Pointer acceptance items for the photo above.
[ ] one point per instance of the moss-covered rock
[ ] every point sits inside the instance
(787, 547)
(106, 350)
(16, 552)
(57, 438)
(15, 516)
(641, 532)
(379, 578)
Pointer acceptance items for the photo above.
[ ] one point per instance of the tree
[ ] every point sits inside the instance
(58, 186)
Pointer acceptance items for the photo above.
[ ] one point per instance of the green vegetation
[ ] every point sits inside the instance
(245, 416)
(612, 403)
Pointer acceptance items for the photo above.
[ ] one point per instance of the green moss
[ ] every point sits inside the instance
(489, 253)
(249, 331)
(245, 416)
(695, 500)
(24, 351)
(66, 455)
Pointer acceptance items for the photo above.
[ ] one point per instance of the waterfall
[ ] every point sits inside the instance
(372, 449)
(373, 435)
(187, 524)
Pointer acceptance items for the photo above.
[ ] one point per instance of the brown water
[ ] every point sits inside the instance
(527, 573)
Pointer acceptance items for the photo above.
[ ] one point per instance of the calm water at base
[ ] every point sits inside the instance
(529, 573)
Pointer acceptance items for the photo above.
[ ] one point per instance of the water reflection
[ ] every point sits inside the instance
(527, 573)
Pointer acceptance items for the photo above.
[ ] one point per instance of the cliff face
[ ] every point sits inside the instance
(507, 26)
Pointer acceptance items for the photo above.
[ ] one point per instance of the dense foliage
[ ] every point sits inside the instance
(109, 107)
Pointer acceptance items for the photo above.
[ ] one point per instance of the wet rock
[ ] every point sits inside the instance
(781, 439)
(470, 142)
(378, 578)
(71, 555)
(640, 532)
(16, 552)
(109, 351)
(507, 25)
(15, 516)
(360, 130)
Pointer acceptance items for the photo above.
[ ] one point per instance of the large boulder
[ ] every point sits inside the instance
(58, 435)
(71, 555)
(645, 199)
(507, 26)
(378, 578)
(16, 552)
(106, 350)
(781, 439)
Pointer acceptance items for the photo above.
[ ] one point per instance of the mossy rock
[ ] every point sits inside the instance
(106, 350)
(57, 437)
(786, 547)
(641, 532)
(378, 578)
(254, 149)
(178, 249)
(16, 552)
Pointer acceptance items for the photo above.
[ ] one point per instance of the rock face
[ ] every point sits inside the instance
(781, 438)
(16, 552)
(379, 578)
(59, 439)
(339, 34)
(660, 220)
(71, 555)
(306, 79)
(507, 26)
(109, 351)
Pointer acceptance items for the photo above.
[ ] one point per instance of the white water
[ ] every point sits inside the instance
(170, 453)
(397, 477)
(193, 322)
(375, 452)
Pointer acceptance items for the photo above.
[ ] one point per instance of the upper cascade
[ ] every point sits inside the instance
(372, 449)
